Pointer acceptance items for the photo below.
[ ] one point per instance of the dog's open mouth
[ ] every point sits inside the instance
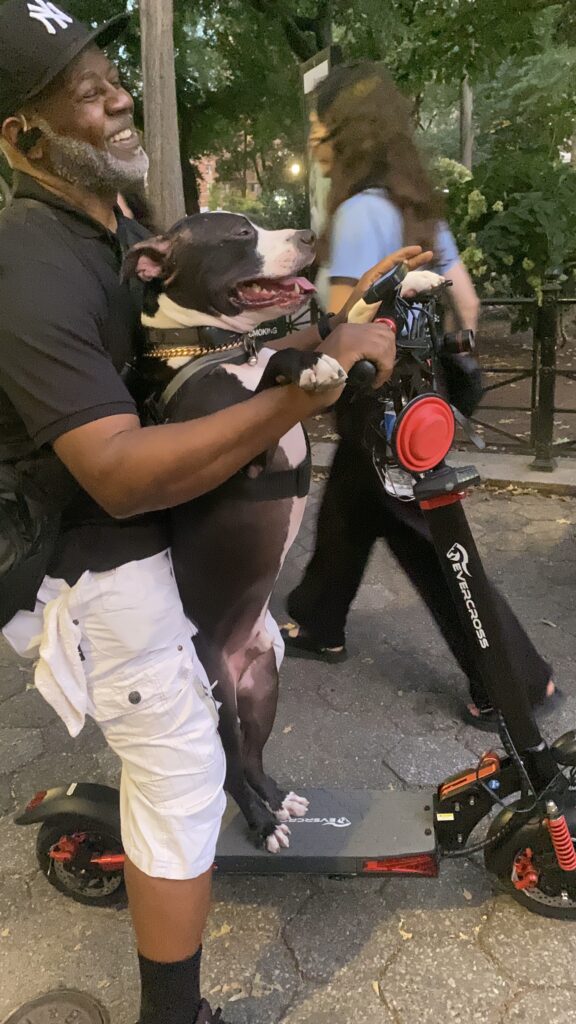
(266, 291)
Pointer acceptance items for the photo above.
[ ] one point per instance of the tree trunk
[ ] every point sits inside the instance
(190, 182)
(160, 111)
(466, 126)
(324, 24)
(244, 164)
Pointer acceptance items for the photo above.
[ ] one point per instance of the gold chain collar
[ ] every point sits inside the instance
(187, 351)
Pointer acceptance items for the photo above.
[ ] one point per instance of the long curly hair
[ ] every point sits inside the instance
(369, 123)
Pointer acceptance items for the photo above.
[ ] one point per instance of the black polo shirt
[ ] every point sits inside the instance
(68, 329)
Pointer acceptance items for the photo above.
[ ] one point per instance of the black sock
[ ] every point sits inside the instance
(170, 992)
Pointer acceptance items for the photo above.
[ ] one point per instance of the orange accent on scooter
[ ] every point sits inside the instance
(67, 848)
(524, 874)
(489, 765)
(562, 841)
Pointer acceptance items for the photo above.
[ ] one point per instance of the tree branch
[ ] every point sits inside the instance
(304, 24)
(254, 162)
(302, 44)
(304, 35)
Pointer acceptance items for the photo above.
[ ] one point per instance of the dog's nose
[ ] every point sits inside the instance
(307, 238)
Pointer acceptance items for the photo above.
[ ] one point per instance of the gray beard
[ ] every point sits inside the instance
(93, 169)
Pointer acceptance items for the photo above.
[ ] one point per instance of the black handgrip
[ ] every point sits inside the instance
(362, 374)
(384, 289)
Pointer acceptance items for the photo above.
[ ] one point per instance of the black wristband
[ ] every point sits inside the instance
(324, 326)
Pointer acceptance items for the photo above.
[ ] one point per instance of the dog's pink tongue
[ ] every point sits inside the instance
(303, 283)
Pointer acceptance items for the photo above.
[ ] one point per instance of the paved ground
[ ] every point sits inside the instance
(305, 951)
(499, 469)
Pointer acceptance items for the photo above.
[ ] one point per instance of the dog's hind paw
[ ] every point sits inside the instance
(278, 839)
(326, 373)
(297, 806)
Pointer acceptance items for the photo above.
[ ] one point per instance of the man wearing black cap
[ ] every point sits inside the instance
(108, 629)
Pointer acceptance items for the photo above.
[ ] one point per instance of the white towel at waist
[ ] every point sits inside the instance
(50, 635)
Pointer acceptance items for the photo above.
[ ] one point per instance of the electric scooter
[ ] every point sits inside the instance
(529, 846)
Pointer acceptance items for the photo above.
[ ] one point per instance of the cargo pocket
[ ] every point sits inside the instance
(159, 720)
(124, 693)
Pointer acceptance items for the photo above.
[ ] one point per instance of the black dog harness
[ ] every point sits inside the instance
(207, 348)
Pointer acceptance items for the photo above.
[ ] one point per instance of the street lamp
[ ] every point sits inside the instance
(295, 169)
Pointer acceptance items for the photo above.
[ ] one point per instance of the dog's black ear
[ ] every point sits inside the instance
(148, 260)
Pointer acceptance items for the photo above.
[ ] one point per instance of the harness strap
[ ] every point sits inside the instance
(268, 486)
(285, 483)
(197, 368)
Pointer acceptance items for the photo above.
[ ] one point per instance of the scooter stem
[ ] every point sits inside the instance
(475, 602)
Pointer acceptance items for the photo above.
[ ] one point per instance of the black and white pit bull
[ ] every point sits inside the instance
(212, 279)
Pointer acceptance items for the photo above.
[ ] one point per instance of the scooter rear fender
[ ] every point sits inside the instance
(79, 800)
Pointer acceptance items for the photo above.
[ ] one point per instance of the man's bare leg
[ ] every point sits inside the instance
(169, 918)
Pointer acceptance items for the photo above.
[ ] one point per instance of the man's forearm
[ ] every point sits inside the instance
(128, 469)
(158, 467)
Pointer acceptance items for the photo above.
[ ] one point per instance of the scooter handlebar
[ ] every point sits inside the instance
(362, 374)
(384, 289)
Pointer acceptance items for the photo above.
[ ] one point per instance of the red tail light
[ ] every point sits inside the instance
(36, 799)
(425, 865)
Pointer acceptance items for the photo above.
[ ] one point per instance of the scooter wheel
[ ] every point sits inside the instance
(77, 877)
(525, 867)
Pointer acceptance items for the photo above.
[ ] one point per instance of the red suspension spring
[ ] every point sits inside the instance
(561, 838)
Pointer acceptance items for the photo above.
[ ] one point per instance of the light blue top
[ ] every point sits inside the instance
(368, 227)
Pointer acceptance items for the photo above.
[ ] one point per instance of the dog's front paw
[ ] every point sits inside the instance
(418, 282)
(278, 839)
(324, 374)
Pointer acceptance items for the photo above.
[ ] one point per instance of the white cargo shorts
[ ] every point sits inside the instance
(118, 647)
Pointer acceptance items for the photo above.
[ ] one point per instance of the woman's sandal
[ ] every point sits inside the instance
(487, 719)
(299, 645)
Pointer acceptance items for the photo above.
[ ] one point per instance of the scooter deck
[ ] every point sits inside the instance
(342, 831)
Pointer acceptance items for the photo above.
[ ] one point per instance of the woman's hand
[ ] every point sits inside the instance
(412, 255)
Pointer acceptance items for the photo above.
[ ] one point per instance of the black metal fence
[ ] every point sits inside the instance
(543, 374)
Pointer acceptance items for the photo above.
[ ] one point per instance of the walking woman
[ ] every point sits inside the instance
(380, 199)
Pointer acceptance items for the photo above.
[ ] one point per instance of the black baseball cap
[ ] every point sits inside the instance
(38, 39)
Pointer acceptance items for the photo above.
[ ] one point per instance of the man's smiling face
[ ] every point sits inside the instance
(87, 121)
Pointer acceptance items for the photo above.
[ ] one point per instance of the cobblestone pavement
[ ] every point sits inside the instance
(320, 951)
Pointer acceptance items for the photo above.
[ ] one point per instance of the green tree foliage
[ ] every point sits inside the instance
(238, 84)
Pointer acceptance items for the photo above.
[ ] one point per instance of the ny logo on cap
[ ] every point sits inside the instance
(50, 16)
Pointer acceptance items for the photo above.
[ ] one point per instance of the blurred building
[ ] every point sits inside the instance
(209, 183)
